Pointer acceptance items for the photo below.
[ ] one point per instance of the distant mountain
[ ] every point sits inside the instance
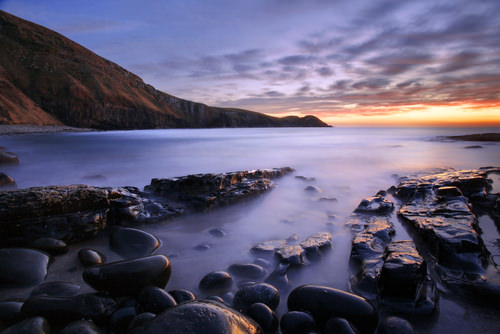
(45, 79)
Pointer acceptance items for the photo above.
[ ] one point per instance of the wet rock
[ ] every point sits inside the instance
(121, 319)
(291, 254)
(313, 244)
(140, 319)
(328, 199)
(268, 247)
(6, 182)
(199, 316)
(305, 178)
(262, 262)
(63, 310)
(394, 325)
(127, 278)
(68, 213)
(313, 189)
(22, 267)
(181, 296)
(56, 289)
(324, 303)
(202, 191)
(10, 312)
(50, 245)
(449, 191)
(264, 316)
(339, 326)
(132, 243)
(8, 158)
(247, 270)
(403, 270)
(89, 257)
(202, 247)
(35, 325)
(257, 293)
(278, 279)
(296, 322)
(377, 204)
(216, 299)
(81, 327)
(217, 232)
(216, 282)
(153, 299)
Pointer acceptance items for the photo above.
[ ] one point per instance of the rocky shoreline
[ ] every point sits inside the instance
(33, 129)
(400, 278)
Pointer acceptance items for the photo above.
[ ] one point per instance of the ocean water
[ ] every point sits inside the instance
(348, 164)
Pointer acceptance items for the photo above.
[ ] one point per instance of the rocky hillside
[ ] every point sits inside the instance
(46, 79)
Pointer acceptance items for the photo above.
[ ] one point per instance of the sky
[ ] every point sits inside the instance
(349, 62)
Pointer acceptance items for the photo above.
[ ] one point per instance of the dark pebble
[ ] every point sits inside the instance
(216, 282)
(264, 316)
(181, 296)
(50, 245)
(257, 293)
(90, 257)
(339, 326)
(10, 312)
(140, 319)
(217, 232)
(395, 325)
(120, 320)
(247, 270)
(36, 325)
(127, 278)
(56, 289)
(22, 266)
(296, 322)
(153, 299)
(131, 243)
(81, 327)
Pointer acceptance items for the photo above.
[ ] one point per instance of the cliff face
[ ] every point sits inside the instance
(46, 79)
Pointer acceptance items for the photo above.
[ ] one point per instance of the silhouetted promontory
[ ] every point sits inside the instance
(47, 79)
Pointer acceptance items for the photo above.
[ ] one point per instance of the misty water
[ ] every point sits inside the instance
(348, 164)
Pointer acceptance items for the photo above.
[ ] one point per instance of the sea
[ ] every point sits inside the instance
(346, 164)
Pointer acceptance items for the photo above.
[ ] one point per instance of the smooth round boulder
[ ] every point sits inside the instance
(56, 289)
(394, 325)
(199, 316)
(247, 270)
(338, 326)
(216, 282)
(121, 319)
(63, 310)
(181, 295)
(35, 325)
(153, 299)
(22, 266)
(296, 322)
(131, 243)
(257, 293)
(265, 317)
(10, 312)
(140, 319)
(81, 327)
(324, 303)
(128, 277)
(50, 245)
(90, 257)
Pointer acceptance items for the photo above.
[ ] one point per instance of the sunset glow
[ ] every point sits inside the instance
(351, 63)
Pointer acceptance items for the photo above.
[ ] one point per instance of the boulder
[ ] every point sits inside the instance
(324, 303)
(56, 289)
(154, 300)
(199, 316)
(339, 326)
(257, 293)
(22, 267)
(50, 245)
(120, 320)
(35, 325)
(131, 243)
(247, 270)
(264, 316)
(128, 277)
(81, 327)
(216, 282)
(181, 296)
(293, 255)
(63, 310)
(296, 322)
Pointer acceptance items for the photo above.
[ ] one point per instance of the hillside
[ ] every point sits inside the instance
(47, 79)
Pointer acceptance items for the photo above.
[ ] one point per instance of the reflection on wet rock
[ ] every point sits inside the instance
(132, 243)
(296, 322)
(22, 267)
(199, 316)
(216, 282)
(153, 299)
(247, 270)
(89, 257)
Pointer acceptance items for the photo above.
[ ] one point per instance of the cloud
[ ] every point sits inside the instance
(296, 60)
(325, 71)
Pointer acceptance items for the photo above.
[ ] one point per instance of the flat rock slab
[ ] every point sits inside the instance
(291, 254)
(199, 316)
(377, 204)
(22, 266)
(201, 191)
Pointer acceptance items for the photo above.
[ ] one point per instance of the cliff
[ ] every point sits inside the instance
(47, 79)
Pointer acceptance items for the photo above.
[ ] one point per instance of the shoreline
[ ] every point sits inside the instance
(19, 129)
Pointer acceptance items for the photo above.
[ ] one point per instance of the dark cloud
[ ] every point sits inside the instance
(393, 64)
(325, 71)
(460, 61)
(373, 83)
(297, 60)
